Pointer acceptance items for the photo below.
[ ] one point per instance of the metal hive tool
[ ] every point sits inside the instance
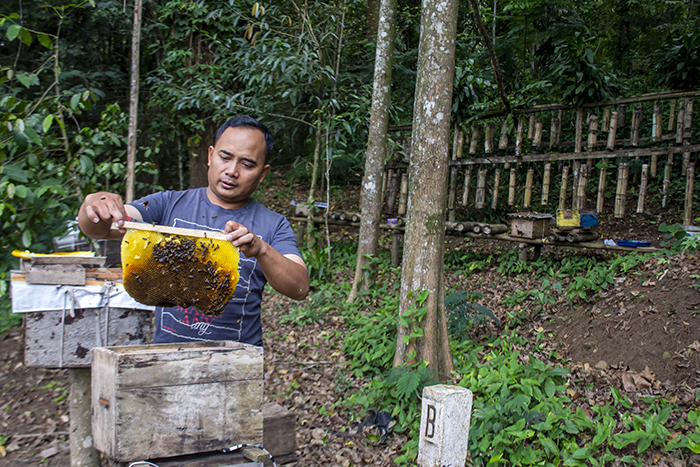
(167, 266)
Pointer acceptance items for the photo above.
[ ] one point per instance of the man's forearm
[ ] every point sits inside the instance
(283, 273)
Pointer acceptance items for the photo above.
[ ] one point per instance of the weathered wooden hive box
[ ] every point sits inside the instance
(64, 322)
(530, 225)
(169, 400)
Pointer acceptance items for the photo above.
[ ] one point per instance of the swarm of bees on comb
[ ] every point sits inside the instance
(176, 270)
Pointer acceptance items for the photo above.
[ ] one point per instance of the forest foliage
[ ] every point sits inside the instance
(64, 84)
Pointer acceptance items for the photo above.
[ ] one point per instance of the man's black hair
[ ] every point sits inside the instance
(249, 122)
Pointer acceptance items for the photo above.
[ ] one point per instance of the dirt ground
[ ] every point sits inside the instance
(641, 335)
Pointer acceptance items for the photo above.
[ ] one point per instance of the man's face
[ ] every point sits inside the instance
(236, 166)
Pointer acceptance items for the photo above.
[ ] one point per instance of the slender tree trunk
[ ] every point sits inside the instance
(312, 188)
(423, 257)
(376, 144)
(133, 103)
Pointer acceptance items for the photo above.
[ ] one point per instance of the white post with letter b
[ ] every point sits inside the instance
(444, 426)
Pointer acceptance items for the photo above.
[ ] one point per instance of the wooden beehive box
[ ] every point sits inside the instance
(169, 400)
(63, 323)
(530, 225)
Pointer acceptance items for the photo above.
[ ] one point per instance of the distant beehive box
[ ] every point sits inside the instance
(576, 218)
(174, 399)
(63, 323)
(530, 224)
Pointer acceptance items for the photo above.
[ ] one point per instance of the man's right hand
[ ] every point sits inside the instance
(100, 210)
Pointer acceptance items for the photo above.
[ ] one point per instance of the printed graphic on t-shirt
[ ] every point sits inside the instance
(195, 325)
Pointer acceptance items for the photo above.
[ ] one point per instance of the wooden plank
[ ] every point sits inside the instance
(60, 259)
(155, 367)
(56, 274)
(164, 229)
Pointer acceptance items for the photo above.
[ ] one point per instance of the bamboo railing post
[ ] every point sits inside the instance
(600, 201)
(393, 187)
(642, 188)
(503, 140)
(489, 137)
(519, 138)
(560, 119)
(605, 126)
(457, 149)
(592, 138)
(531, 127)
(553, 132)
(580, 198)
(657, 132)
(621, 193)
(687, 124)
(621, 116)
(636, 121)
(528, 187)
(403, 197)
(467, 183)
(657, 123)
(496, 183)
(688, 211)
(576, 174)
(480, 189)
(680, 124)
(562, 189)
(579, 131)
(671, 115)
(667, 180)
(476, 134)
(511, 187)
(612, 133)
(545, 183)
(634, 132)
(537, 139)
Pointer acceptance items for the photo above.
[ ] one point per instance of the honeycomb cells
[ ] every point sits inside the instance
(175, 270)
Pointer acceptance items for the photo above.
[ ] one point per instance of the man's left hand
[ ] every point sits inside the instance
(249, 243)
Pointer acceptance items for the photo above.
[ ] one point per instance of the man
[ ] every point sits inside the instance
(237, 165)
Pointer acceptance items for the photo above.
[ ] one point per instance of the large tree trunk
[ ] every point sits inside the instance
(198, 161)
(376, 145)
(423, 257)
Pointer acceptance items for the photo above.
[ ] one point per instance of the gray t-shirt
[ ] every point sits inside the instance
(240, 320)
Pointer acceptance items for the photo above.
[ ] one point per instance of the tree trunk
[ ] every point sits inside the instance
(312, 188)
(424, 245)
(376, 145)
(133, 103)
(200, 156)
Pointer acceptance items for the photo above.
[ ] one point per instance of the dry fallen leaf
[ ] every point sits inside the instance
(628, 383)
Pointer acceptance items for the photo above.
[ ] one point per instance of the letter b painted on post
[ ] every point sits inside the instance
(445, 417)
